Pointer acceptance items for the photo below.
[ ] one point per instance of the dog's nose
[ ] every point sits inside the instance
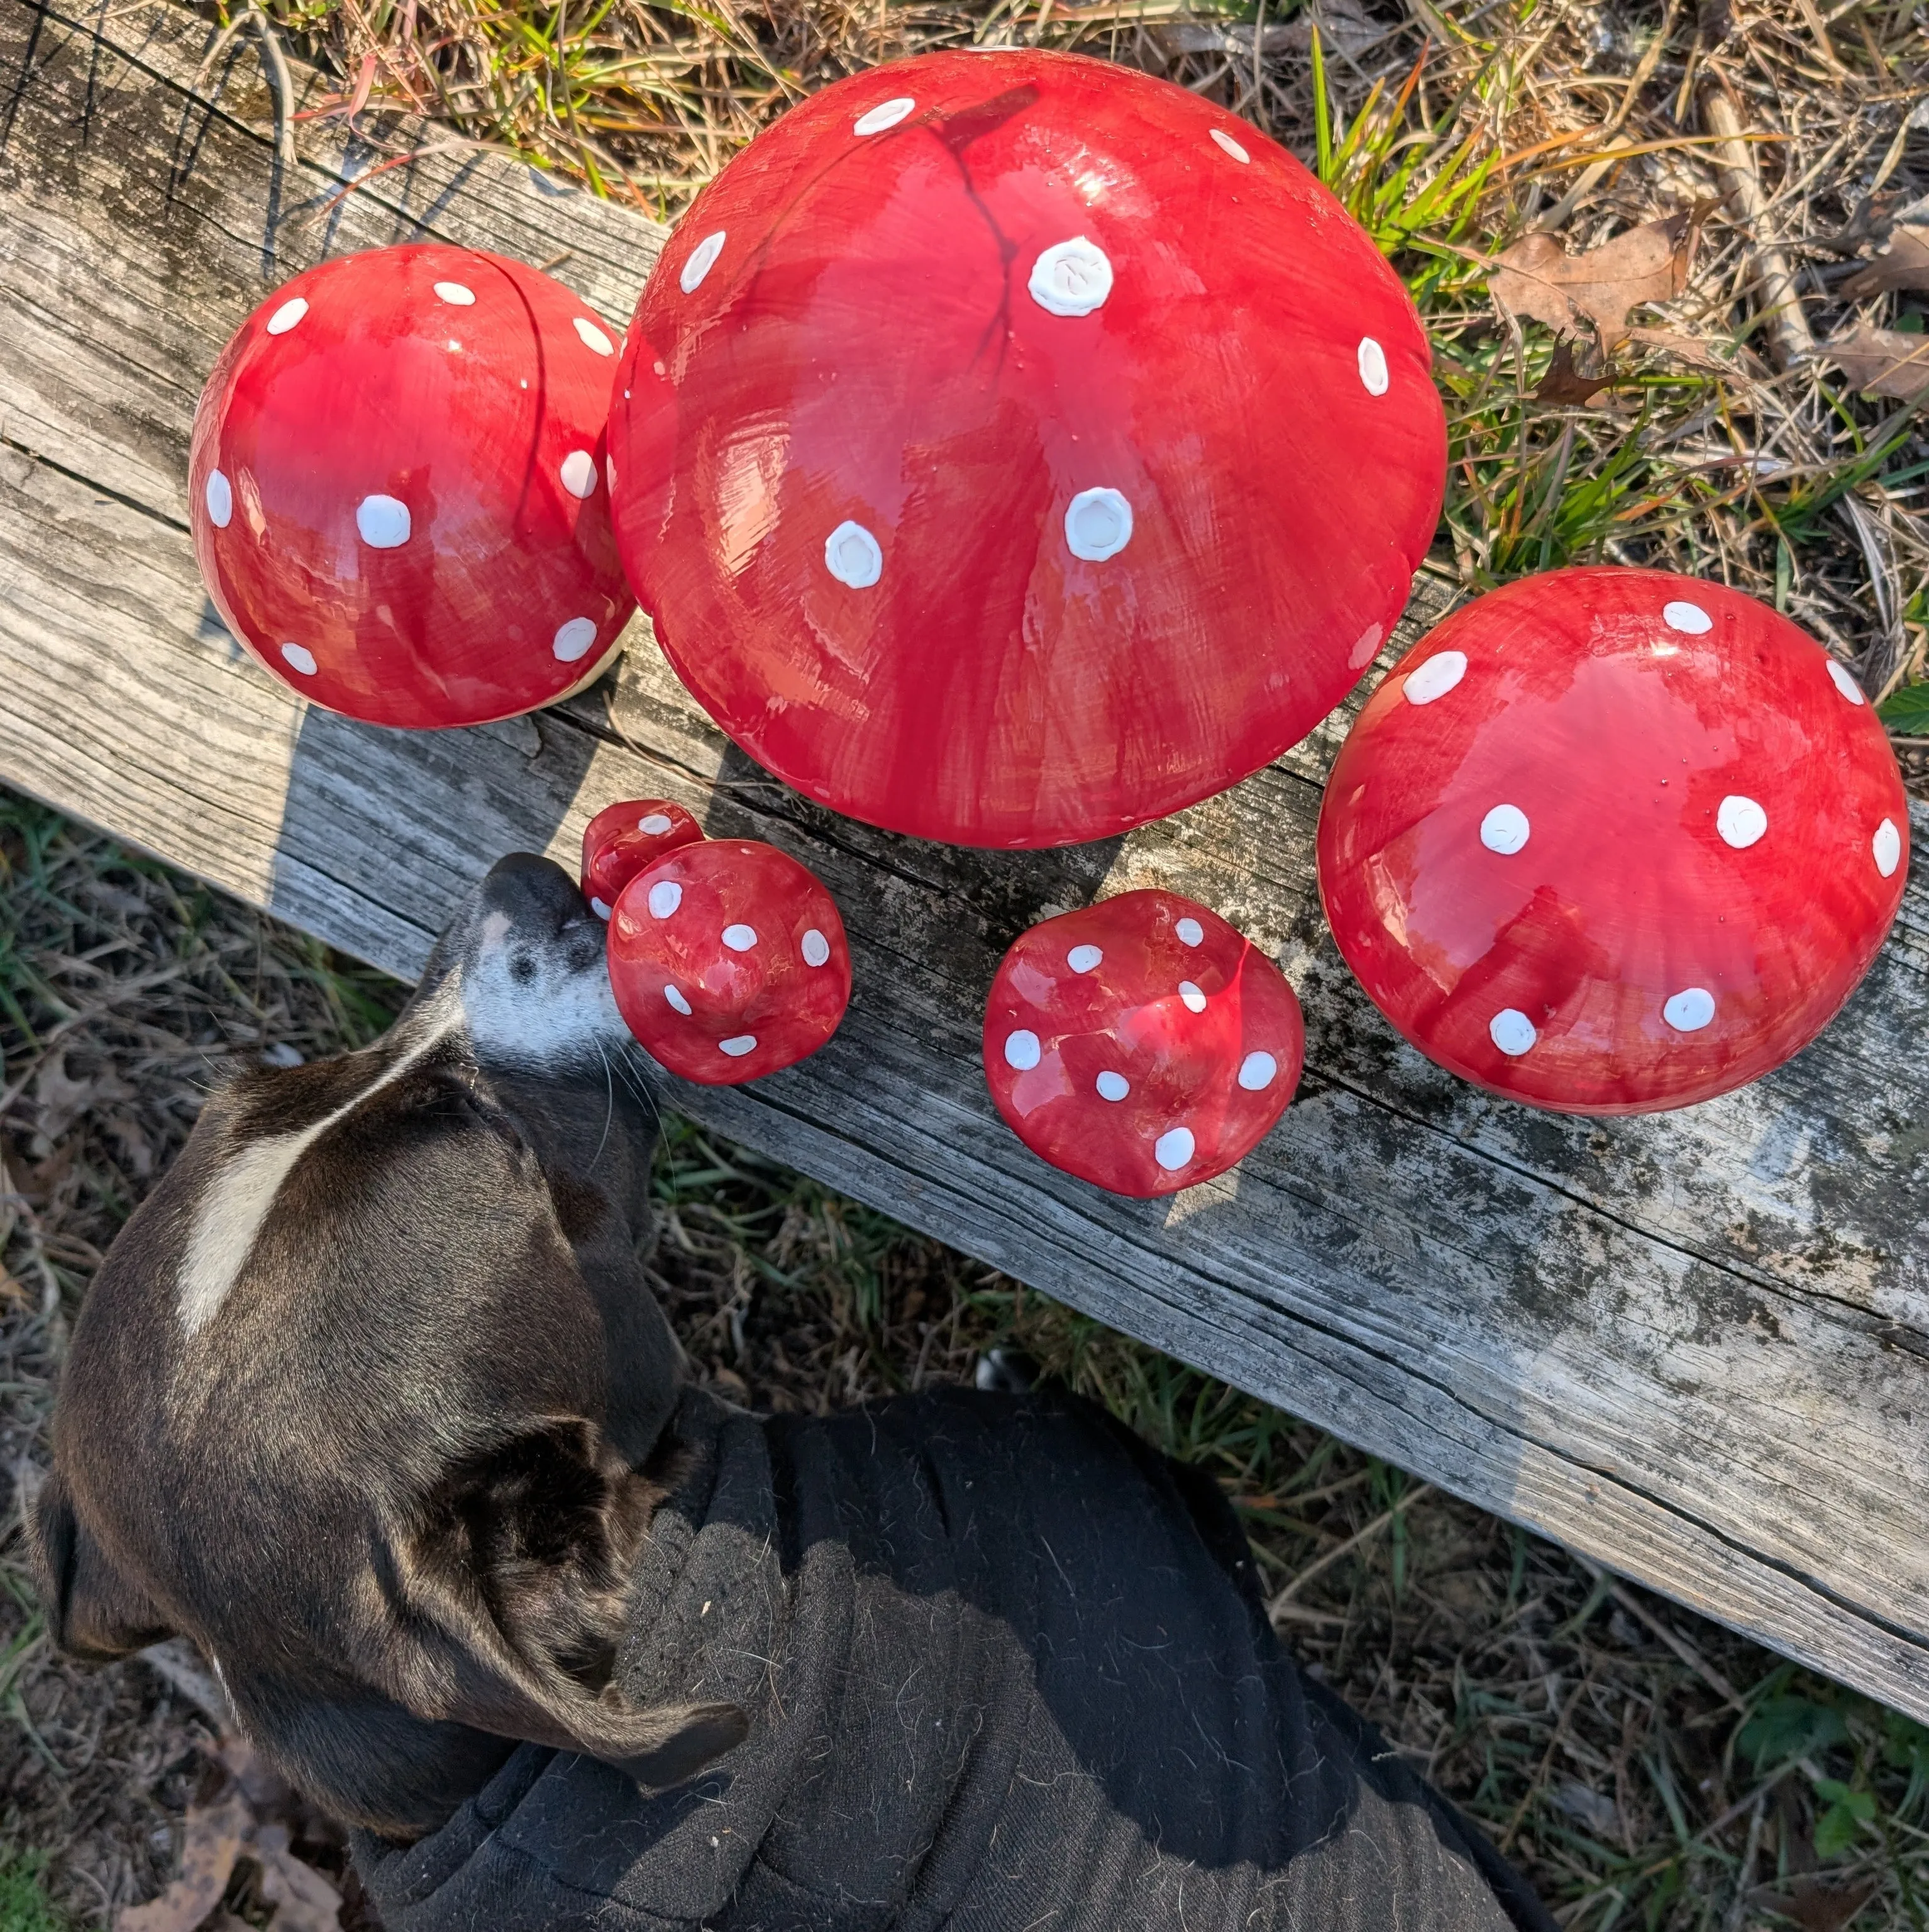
(537, 896)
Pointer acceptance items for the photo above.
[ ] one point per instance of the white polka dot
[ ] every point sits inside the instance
(1512, 1031)
(219, 497)
(1231, 146)
(674, 994)
(1740, 821)
(287, 315)
(1112, 1086)
(886, 114)
(656, 824)
(573, 639)
(852, 556)
(1098, 524)
(1021, 1049)
(744, 1043)
(1257, 1072)
(297, 657)
(1195, 1001)
(1173, 1148)
(815, 948)
(701, 260)
(599, 908)
(593, 338)
(1072, 278)
(1190, 932)
(740, 938)
(578, 472)
(1435, 678)
(1689, 1010)
(666, 895)
(1887, 846)
(383, 522)
(457, 295)
(1083, 958)
(1504, 829)
(1373, 367)
(1843, 679)
(1690, 618)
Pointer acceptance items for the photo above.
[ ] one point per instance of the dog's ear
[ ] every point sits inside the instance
(92, 1610)
(525, 1552)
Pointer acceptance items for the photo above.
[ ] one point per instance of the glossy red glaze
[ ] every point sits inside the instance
(745, 938)
(1142, 1044)
(864, 475)
(398, 496)
(1610, 841)
(624, 839)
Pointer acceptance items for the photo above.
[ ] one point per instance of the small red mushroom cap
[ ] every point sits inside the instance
(1610, 841)
(729, 960)
(624, 838)
(398, 492)
(1011, 448)
(1142, 1044)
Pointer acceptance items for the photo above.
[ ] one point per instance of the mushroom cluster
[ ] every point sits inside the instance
(1610, 841)
(397, 487)
(727, 959)
(1142, 1043)
(1011, 449)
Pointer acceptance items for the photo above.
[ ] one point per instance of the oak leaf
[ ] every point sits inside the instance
(1904, 264)
(1537, 278)
(1883, 362)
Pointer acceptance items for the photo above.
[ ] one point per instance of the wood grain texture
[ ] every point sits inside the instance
(1695, 1347)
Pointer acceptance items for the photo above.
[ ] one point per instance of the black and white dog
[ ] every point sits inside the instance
(371, 1401)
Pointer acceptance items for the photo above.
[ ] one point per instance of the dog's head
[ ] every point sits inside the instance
(364, 1397)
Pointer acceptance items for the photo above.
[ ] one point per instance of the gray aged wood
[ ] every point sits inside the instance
(1693, 1347)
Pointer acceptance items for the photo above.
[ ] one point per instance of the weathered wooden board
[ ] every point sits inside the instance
(1696, 1347)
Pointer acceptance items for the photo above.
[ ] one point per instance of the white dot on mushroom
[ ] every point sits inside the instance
(299, 657)
(1435, 678)
(219, 495)
(1173, 1148)
(599, 908)
(1195, 1000)
(1512, 1031)
(852, 556)
(1740, 821)
(1373, 376)
(1022, 1049)
(1843, 679)
(593, 338)
(1228, 145)
(674, 994)
(886, 114)
(1504, 829)
(573, 639)
(1887, 847)
(1098, 524)
(740, 938)
(1112, 1086)
(1689, 618)
(1689, 1010)
(1072, 278)
(1257, 1072)
(743, 1043)
(578, 472)
(1083, 958)
(382, 522)
(457, 295)
(815, 948)
(287, 315)
(702, 259)
(1190, 932)
(666, 895)
(655, 823)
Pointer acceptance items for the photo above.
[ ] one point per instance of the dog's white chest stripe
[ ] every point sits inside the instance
(240, 1194)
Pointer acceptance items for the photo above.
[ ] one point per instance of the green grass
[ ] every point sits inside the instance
(24, 1905)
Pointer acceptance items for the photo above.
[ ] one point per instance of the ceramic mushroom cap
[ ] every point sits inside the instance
(1012, 448)
(1142, 1044)
(1609, 841)
(729, 960)
(397, 487)
(628, 838)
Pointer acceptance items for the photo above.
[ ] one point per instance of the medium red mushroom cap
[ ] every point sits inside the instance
(397, 487)
(1011, 448)
(625, 839)
(729, 960)
(1610, 841)
(1142, 1044)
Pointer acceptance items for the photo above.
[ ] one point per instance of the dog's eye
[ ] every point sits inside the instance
(522, 968)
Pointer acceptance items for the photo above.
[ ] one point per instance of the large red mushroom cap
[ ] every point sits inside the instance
(1142, 1044)
(627, 838)
(729, 960)
(397, 487)
(1011, 448)
(1610, 841)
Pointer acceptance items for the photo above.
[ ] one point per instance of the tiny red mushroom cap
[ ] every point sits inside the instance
(397, 488)
(624, 839)
(1610, 841)
(729, 960)
(1142, 1044)
(952, 460)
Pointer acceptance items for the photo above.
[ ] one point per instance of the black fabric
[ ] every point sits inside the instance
(1006, 1668)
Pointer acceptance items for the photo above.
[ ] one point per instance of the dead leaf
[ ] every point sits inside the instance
(213, 1843)
(1536, 277)
(1564, 384)
(1689, 349)
(1814, 1906)
(1883, 362)
(61, 1099)
(1904, 264)
(303, 1900)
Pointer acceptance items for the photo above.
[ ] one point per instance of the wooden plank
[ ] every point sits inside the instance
(1693, 1347)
